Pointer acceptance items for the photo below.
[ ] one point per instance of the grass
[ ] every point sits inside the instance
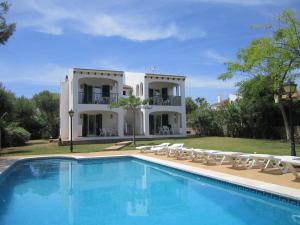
(275, 147)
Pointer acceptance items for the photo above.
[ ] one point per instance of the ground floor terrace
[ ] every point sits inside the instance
(119, 125)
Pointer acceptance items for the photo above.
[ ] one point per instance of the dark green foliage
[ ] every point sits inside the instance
(6, 30)
(39, 116)
(190, 105)
(15, 135)
(48, 108)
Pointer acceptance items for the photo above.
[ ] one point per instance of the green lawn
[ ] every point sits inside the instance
(276, 147)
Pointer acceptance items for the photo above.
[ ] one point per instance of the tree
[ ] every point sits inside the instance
(48, 106)
(6, 30)
(131, 103)
(29, 117)
(276, 57)
(190, 105)
(7, 102)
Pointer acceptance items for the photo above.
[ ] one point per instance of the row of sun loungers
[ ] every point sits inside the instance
(236, 159)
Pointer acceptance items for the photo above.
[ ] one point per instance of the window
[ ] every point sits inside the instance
(137, 90)
(141, 89)
(124, 92)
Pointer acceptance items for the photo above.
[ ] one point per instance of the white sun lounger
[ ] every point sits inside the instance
(149, 148)
(164, 150)
(249, 161)
(221, 157)
(202, 155)
(290, 162)
(184, 153)
(173, 149)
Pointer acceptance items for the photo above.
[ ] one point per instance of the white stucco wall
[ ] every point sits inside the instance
(70, 93)
(63, 110)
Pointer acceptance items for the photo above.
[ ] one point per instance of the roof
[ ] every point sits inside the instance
(125, 86)
(164, 75)
(98, 71)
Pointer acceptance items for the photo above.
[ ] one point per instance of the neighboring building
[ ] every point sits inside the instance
(89, 92)
(221, 102)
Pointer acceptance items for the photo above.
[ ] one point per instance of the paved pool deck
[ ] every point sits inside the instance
(273, 182)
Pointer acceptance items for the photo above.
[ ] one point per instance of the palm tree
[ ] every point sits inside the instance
(131, 103)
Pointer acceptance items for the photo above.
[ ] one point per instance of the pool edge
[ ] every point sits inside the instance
(273, 189)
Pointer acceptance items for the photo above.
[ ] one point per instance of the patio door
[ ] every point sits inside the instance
(165, 119)
(164, 93)
(92, 123)
(151, 124)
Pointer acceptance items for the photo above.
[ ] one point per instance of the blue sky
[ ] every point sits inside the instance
(188, 37)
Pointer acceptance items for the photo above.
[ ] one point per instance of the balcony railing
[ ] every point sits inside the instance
(170, 100)
(97, 98)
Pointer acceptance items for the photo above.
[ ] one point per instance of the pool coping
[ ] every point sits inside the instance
(282, 191)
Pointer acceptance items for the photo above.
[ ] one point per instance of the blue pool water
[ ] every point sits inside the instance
(128, 191)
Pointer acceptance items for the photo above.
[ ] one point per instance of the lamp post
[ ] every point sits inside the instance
(71, 114)
(1, 118)
(290, 89)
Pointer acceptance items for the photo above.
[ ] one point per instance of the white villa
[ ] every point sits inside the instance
(89, 92)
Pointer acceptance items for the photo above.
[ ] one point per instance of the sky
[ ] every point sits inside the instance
(185, 37)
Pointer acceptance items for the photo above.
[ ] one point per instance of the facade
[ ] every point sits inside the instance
(89, 92)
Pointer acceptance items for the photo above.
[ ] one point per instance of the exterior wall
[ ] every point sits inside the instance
(63, 110)
(70, 100)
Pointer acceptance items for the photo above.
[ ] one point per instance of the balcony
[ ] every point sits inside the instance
(167, 101)
(97, 98)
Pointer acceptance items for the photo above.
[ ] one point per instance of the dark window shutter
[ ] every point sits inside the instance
(84, 125)
(106, 91)
(85, 96)
(165, 119)
(98, 123)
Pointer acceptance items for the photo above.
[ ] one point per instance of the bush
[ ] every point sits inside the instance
(15, 135)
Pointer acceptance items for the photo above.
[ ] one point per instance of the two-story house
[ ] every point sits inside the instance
(89, 92)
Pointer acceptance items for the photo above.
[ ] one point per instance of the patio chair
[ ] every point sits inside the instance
(166, 130)
(150, 148)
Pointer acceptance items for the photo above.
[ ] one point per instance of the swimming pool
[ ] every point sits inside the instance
(126, 190)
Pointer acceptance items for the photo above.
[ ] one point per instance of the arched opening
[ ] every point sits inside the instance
(164, 93)
(165, 123)
(97, 90)
(98, 123)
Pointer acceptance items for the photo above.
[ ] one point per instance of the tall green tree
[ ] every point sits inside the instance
(275, 56)
(190, 105)
(132, 104)
(48, 106)
(29, 117)
(6, 30)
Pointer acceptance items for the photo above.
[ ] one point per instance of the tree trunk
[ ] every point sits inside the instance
(285, 121)
(133, 139)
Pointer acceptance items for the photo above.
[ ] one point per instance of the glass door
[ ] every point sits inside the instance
(97, 92)
(91, 125)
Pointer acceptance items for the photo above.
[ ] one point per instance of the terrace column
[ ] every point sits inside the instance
(146, 122)
(121, 123)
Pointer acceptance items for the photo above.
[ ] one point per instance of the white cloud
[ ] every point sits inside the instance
(105, 19)
(209, 81)
(243, 2)
(214, 56)
(43, 75)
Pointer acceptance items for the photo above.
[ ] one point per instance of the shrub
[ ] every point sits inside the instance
(15, 135)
